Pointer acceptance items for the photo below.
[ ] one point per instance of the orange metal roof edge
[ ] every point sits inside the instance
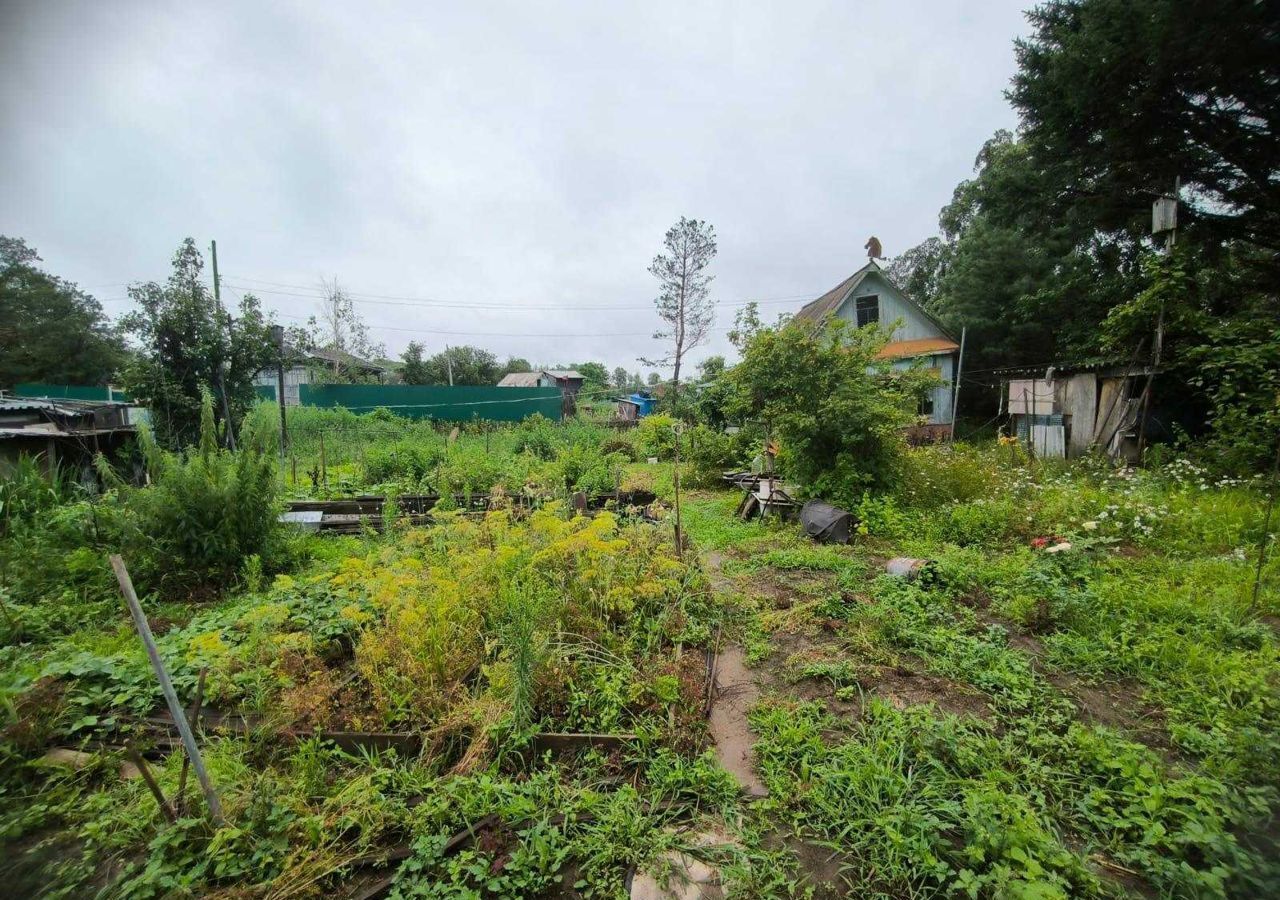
(918, 347)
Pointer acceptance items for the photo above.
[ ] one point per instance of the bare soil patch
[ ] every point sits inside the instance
(734, 694)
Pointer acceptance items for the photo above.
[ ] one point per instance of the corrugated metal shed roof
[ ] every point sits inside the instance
(57, 407)
(343, 358)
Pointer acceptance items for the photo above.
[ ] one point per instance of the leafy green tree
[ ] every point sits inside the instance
(595, 376)
(468, 365)
(413, 370)
(711, 368)
(620, 378)
(836, 410)
(50, 330)
(919, 270)
(1118, 98)
(187, 346)
(515, 364)
(654, 379)
(1029, 289)
(1045, 251)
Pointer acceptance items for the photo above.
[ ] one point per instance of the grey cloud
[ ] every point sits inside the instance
(496, 153)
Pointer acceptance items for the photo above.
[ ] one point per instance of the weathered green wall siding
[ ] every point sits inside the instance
(429, 401)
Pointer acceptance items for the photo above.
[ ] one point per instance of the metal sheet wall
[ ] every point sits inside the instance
(452, 404)
(69, 392)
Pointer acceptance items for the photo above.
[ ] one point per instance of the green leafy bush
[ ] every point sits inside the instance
(400, 460)
(655, 436)
(710, 453)
(837, 410)
(581, 468)
(27, 489)
(621, 445)
(536, 435)
(205, 512)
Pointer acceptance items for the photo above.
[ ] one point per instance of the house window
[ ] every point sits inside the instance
(867, 309)
(926, 404)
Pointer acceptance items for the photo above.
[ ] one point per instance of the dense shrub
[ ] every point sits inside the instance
(655, 436)
(581, 468)
(836, 409)
(400, 460)
(206, 511)
(27, 489)
(710, 453)
(536, 435)
(620, 445)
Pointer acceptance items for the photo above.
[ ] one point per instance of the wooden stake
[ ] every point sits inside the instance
(136, 758)
(166, 687)
(1265, 540)
(679, 534)
(181, 801)
(324, 468)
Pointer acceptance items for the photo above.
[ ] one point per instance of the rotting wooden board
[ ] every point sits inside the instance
(567, 742)
(407, 743)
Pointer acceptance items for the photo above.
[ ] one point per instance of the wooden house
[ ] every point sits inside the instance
(315, 366)
(867, 297)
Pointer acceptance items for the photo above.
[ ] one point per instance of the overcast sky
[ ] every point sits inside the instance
(517, 156)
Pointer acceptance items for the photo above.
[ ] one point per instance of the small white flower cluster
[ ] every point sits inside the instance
(1135, 519)
(1184, 473)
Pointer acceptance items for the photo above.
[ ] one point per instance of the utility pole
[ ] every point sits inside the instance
(277, 336)
(448, 361)
(955, 391)
(1164, 220)
(218, 319)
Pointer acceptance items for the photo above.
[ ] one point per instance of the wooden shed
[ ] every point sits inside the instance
(1067, 410)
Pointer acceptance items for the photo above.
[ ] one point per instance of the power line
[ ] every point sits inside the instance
(517, 334)
(312, 293)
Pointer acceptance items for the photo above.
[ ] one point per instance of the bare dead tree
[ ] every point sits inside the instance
(684, 302)
(340, 327)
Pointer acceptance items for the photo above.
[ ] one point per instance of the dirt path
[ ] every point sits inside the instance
(734, 694)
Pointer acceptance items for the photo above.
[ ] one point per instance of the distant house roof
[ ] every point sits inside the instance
(828, 303)
(531, 379)
(818, 310)
(520, 379)
(331, 355)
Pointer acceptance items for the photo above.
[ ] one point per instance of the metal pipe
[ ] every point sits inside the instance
(166, 687)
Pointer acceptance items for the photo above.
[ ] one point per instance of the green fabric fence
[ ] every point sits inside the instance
(429, 401)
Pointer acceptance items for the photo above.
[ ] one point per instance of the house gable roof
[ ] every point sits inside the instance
(520, 379)
(531, 379)
(331, 355)
(830, 302)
